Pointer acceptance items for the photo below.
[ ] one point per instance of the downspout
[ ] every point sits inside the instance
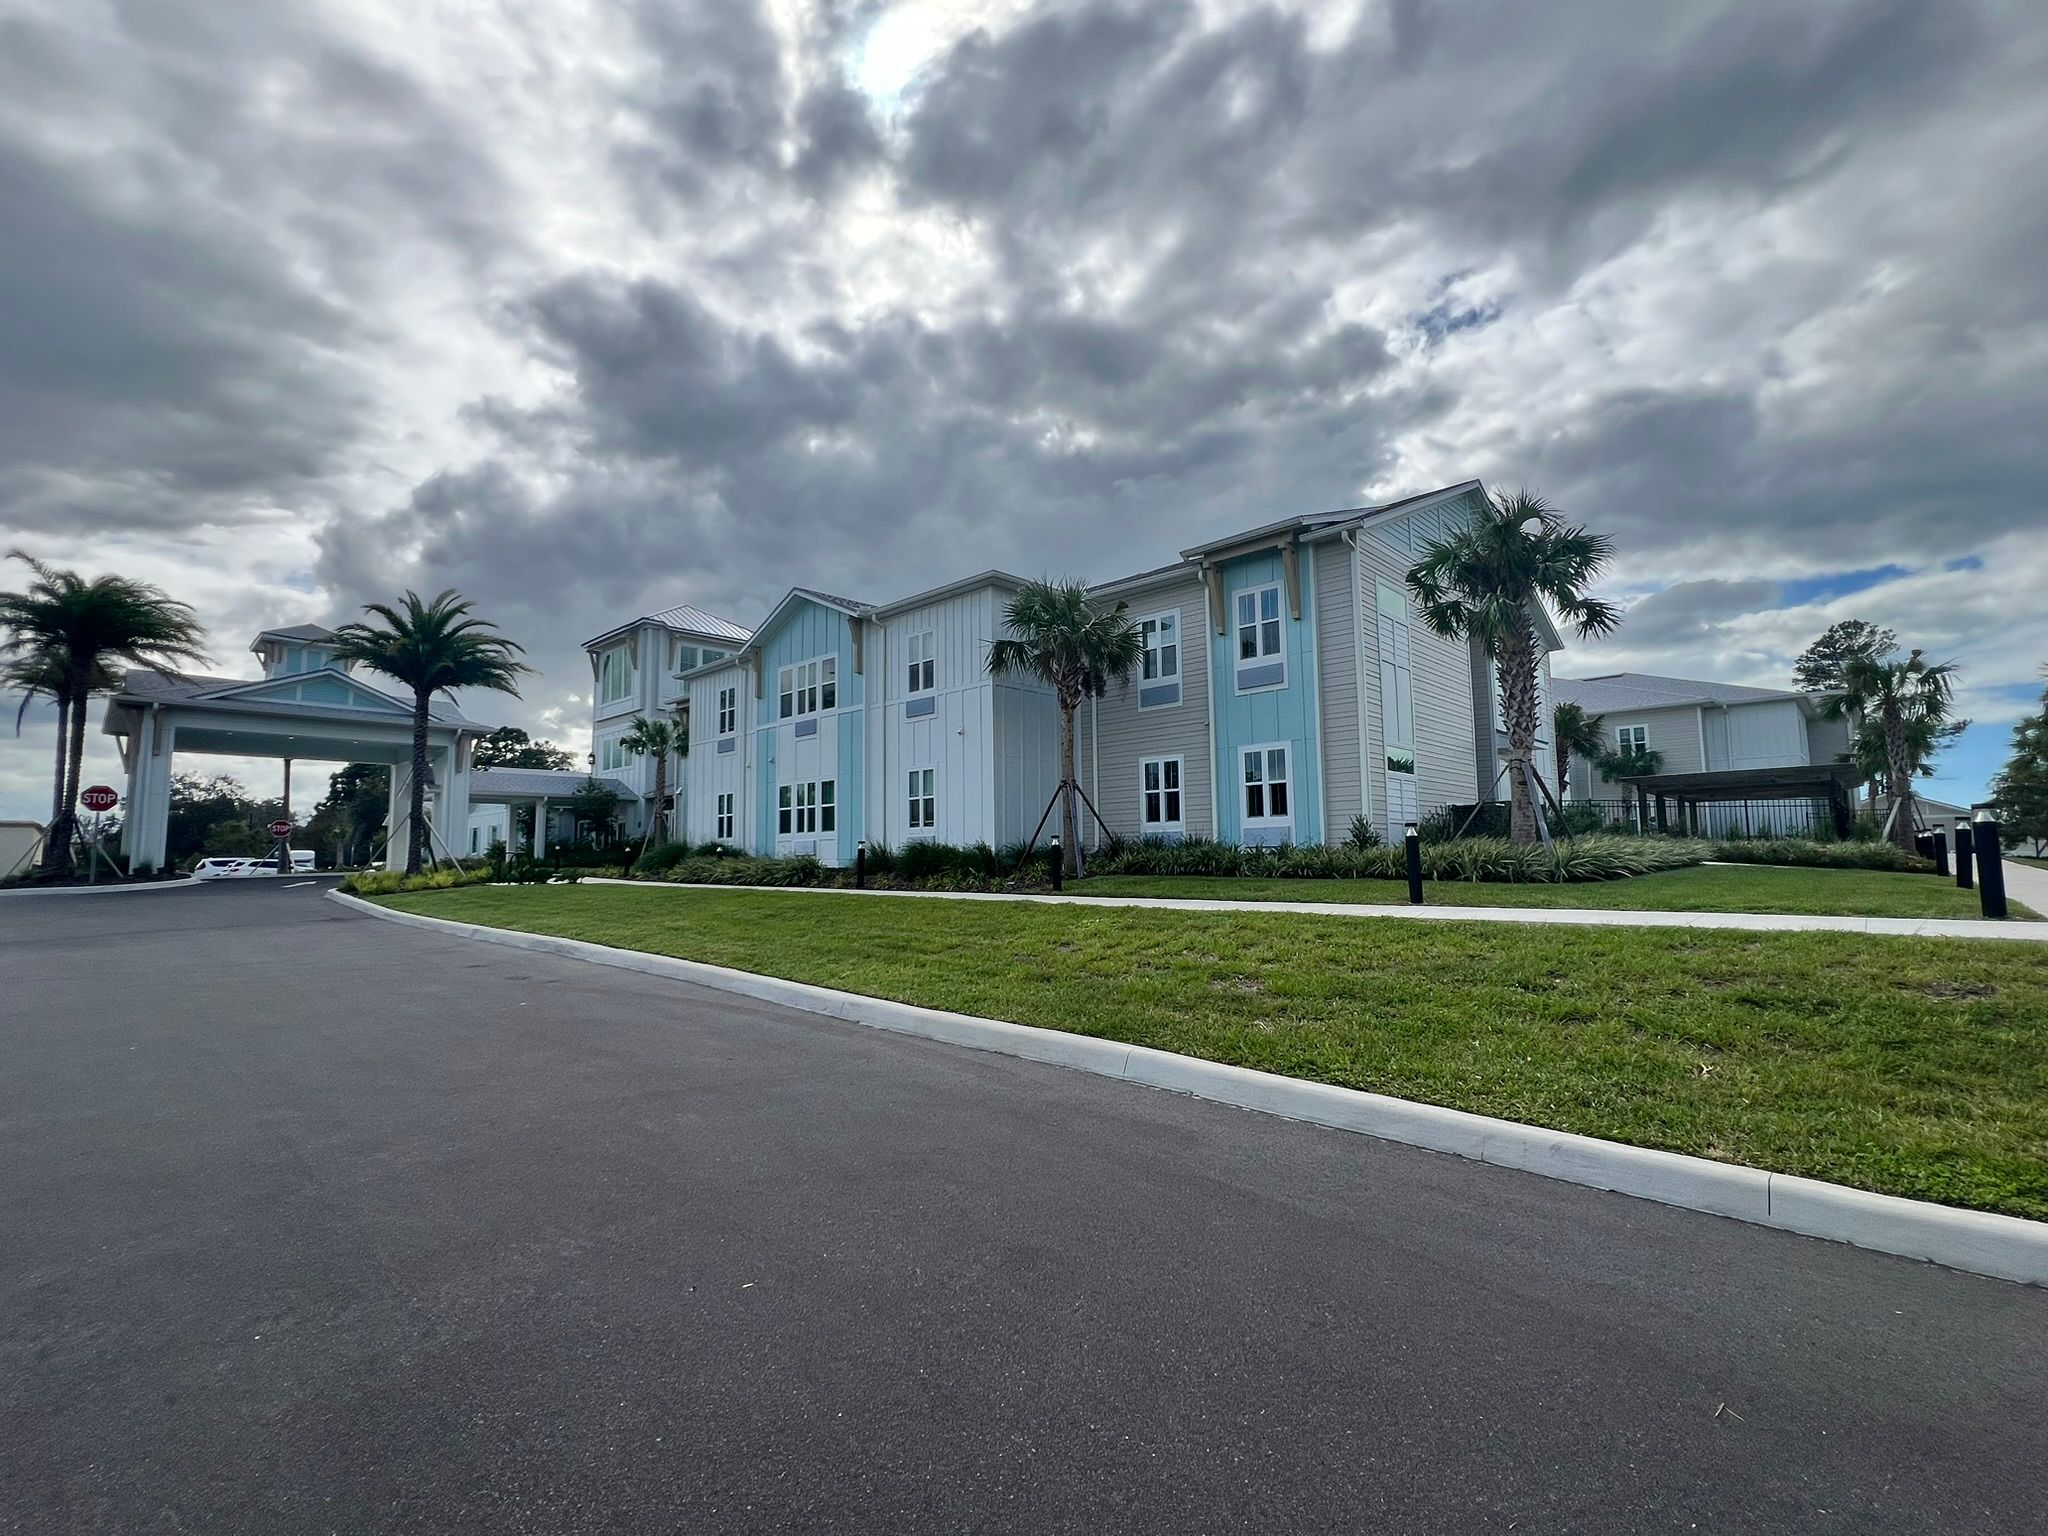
(1095, 761)
(1211, 603)
(1313, 627)
(1350, 537)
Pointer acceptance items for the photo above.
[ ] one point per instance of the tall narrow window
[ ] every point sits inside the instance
(1267, 801)
(785, 809)
(724, 832)
(1259, 661)
(828, 805)
(1161, 635)
(728, 710)
(615, 680)
(924, 804)
(923, 654)
(1159, 794)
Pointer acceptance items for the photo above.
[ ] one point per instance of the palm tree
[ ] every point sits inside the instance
(69, 632)
(1057, 635)
(1573, 730)
(431, 648)
(1905, 707)
(658, 739)
(1487, 581)
(40, 675)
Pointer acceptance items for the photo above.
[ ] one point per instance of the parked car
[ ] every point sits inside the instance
(220, 869)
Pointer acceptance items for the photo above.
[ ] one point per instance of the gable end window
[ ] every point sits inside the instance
(1260, 663)
(615, 674)
(807, 688)
(922, 649)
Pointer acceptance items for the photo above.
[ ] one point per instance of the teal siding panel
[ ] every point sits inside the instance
(1287, 714)
(853, 755)
(807, 631)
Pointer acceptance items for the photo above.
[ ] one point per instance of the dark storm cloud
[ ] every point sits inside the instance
(1690, 612)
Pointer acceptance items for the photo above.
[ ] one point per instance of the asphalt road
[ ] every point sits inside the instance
(309, 1223)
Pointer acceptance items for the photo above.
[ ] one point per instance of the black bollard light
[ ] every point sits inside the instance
(1414, 841)
(860, 865)
(1990, 873)
(1938, 845)
(1963, 881)
(1059, 865)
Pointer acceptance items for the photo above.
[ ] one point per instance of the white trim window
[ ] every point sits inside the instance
(1161, 635)
(924, 799)
(923, 651)
(1268, 786)
(724, 822)
(616, 679)
(1632, 738)
(612, 755)
(808, 687)
(728, 710)
(1260, 662)
(684, 656)
(1160, 802)
(804, 810)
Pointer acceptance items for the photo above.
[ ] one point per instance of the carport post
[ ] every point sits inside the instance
(1962, 856)
(540, 826)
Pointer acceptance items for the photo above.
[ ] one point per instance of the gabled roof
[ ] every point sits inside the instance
(683, 619)
(988, 578)
(143, 686)
(304, 633)
(1646, 690)
(1329, 522)
(846, 605)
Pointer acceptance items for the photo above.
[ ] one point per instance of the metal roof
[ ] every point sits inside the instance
(297, 632)
(1645, 690)
(553, 783)
(683, 617)
(850, 604)
(1318, 521)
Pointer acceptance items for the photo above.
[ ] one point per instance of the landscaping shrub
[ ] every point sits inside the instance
(740, 869)
(1362, 835)
(1471, 858)
(661, 858)
(1804, 853)
(392, 882)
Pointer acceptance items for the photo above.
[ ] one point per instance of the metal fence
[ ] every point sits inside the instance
(1722, 820)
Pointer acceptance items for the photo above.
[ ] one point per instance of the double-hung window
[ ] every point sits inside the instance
(728, 710)
(922, 650)
(1159, 795)
(1159, 672)
(611, 754)
(808, 687)
(724, 832)
(1268, 801)
(1632, 738)
(924, 802)
(1259, 661)
(615, 679)
(802, 810)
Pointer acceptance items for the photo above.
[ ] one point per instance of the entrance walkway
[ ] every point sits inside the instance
(1768, 922)
(2026, 885)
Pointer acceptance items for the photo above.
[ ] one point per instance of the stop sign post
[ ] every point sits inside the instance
(280, 829)
(99, 799)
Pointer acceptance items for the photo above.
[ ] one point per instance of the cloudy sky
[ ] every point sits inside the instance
(588, 307)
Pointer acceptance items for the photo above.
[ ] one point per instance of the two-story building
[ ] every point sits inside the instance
(1287, 688)
(1740, 759)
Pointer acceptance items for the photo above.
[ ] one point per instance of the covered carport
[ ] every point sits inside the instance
(1747, 802)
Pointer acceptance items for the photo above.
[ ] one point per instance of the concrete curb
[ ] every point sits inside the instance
(106, 890)
(2005, 1247)
(2018, 929)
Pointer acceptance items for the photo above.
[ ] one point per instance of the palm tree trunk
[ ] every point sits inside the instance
(57, 796)
(1564, 765)
(1515, 671)
(1899, 766)
(64, 826)
(1070, 825)
(415, 833)
(660, 820)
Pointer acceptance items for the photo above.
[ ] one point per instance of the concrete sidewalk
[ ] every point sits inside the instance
(1766, 922)
(2027, 885)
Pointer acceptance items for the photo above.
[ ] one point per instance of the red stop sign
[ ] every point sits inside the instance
(280, 829)
(98, 798)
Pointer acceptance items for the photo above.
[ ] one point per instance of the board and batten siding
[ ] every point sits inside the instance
(1446, 748)
(833, 751)
(709, 772)
(1284, 715)
(1115, 735)
(956, 739)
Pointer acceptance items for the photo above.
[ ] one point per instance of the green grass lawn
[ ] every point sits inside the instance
(1708, 888)
(1913, 1066)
